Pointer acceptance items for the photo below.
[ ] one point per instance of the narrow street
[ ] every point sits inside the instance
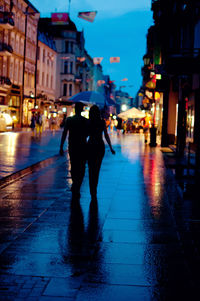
(140, 242)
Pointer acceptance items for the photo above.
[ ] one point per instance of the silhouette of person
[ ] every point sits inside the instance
(96, 147)
(77, 126)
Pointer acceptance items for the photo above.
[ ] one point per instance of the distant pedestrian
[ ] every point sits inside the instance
(77, 126)
(146, 123)
(96, 147)
(33, 123)
(119, 125)
(39, 123)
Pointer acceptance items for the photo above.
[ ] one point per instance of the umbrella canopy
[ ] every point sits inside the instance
(89, 97)
(132, 113)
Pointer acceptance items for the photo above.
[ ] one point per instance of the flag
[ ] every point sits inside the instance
(100, 82)
(81, 59)
(115, 59)
(124, 79)
(88, 80)
(60, 18)
(88, 16)
(97, 60)
(111, 81)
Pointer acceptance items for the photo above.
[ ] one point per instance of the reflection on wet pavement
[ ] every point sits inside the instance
(19, 150)
(130, 245)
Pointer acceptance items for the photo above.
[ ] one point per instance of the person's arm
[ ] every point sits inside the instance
(108, 139)
(64, 135)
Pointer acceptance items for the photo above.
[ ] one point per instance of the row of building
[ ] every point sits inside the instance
(171, 73)
(43, 63)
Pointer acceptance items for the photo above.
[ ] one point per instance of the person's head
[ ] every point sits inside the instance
(79, 108)
(94, 113)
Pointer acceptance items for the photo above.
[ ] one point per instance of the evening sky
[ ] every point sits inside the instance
(119, 29)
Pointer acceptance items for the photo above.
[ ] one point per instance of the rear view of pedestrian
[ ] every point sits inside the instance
(39, 122)
(32, 125)
(96, 148)
(77, 127)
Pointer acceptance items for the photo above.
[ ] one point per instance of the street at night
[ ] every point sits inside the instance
(138, 242)
(99, 150)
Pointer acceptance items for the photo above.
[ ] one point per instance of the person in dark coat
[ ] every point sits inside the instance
(96, 147)
(77, 127)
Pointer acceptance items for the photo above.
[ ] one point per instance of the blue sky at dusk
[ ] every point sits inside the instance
(119, 29)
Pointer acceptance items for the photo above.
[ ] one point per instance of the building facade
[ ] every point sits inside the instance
(18, 38)
(46, 74)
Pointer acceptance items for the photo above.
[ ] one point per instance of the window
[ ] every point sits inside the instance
(52, 81)
(71, 67)
(43, 56)
(65, 90)
(65, 67)
(37, 77)
(70, 89)
(17, 44)
(42, 78)
(21, 50)
(11, 70)
(20, 72)
(47, 81)
(67, 46)
(16, 70)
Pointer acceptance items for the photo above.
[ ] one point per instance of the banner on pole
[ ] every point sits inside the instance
(115, 59)
(97, 60)
(59, 18)
(88, 16)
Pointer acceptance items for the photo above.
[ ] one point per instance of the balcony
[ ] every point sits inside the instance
(5, 49)
(5, 82)
(6, 20)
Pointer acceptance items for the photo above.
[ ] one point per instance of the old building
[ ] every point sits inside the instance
(46, 74)
(18, 38)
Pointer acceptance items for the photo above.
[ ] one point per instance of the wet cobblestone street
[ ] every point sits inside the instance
(139, 242)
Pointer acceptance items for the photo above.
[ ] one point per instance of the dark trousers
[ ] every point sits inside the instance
(77, 170)
(95, 157)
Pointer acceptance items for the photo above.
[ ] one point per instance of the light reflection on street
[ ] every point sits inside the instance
(11, 147)
(153, 178)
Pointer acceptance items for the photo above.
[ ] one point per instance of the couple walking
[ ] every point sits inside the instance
(80, 149)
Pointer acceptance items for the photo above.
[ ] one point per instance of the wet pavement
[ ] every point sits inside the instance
(139, 242)
(19, 150)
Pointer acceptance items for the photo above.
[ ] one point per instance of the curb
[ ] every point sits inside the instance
(26, 171)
